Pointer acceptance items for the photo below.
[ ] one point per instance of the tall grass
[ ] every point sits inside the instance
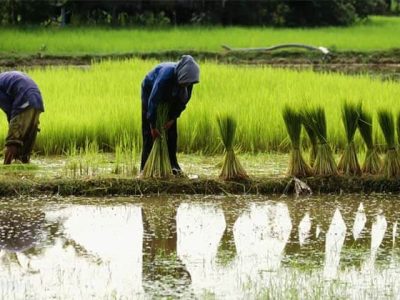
(74, 41)
(103, 103)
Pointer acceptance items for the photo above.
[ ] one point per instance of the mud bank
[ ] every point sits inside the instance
(138, 187)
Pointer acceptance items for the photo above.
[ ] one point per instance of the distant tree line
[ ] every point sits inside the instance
(176, 12)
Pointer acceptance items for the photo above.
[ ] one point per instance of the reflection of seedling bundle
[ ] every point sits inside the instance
(372, 163)
(297, 166)
(231, 169)
(391, 163)
(158, 164)
(348, 163)
(324, 162)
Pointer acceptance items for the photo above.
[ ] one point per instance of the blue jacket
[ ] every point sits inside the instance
(161, 85)
(17, 93)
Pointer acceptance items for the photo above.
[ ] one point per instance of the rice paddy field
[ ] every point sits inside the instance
(376, 33)
(100, 104)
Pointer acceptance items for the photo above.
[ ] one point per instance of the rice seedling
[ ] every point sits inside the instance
(313, 141)
(98, 103)
(348, 163)
(324, 164)
(391, 162)
(231, 169)
(372, 163)
(297, 166)
(158, 164)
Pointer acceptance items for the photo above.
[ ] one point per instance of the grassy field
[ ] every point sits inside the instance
(377, 33)
(102, 103)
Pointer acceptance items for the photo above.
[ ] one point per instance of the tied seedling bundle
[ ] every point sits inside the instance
(231, 169)
(391, 162)
(372, 163)
(158, 164)
(313, 141)
(297, 165)
(348, 163)
(324, 164)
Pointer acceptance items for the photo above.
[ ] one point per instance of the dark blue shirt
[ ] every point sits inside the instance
(161, 85)
(17, 93)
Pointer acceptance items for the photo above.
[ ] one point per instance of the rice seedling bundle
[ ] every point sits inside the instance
(313, 141)
(231, 169)
(348, 163)
(297, 165)
(158, 164)
(391, 162)
(372, 163)
(324, 164)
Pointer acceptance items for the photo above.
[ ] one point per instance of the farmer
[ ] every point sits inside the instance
(21, 100)
(170, 83)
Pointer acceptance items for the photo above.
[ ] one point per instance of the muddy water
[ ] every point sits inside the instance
(200, 247)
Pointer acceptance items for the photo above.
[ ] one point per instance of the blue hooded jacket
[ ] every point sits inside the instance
(171, 83)
(17, 93)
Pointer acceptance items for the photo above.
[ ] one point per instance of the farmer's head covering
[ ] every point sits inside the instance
(187, 70)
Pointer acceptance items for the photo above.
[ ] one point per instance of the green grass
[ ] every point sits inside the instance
(102, 103)
(377, 33)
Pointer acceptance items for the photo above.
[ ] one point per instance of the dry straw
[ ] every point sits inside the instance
(391, 162)
(324, 164)
(158, 164)
(231, 169)
(348, 163)
(297, 165)
(372, 163)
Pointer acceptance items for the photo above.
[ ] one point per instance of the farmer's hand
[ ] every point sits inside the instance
(10, 154)
(169, 124)
(155, 133)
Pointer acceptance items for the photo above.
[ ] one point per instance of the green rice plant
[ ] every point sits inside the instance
(324, 164)
(372, 163)
(158, 164)
(297, 165)
(391, 162)
(313, 141)
(231, 169)
(348, 163)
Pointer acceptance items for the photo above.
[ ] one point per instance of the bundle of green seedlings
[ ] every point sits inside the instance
(348, 163)
(158, 164)
(372, 163)
(324, 164)
(391, 162)
(231, 168)
(313, 141)
(297, 165)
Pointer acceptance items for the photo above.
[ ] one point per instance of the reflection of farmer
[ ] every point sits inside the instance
(171, 83)
(21, 100)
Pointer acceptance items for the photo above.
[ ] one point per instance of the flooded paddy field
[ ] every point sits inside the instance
(200, 247)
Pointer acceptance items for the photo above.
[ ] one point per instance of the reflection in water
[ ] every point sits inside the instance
(333, 245)
(169, 248)
(359, 222)
(200, 228)
(304, 229)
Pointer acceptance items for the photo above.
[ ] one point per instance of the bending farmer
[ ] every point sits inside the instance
(170, 83)
(21, 100)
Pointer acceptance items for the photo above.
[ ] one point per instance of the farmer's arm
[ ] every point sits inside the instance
(181, 105)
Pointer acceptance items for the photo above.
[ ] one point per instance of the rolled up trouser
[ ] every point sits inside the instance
(22, 132)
